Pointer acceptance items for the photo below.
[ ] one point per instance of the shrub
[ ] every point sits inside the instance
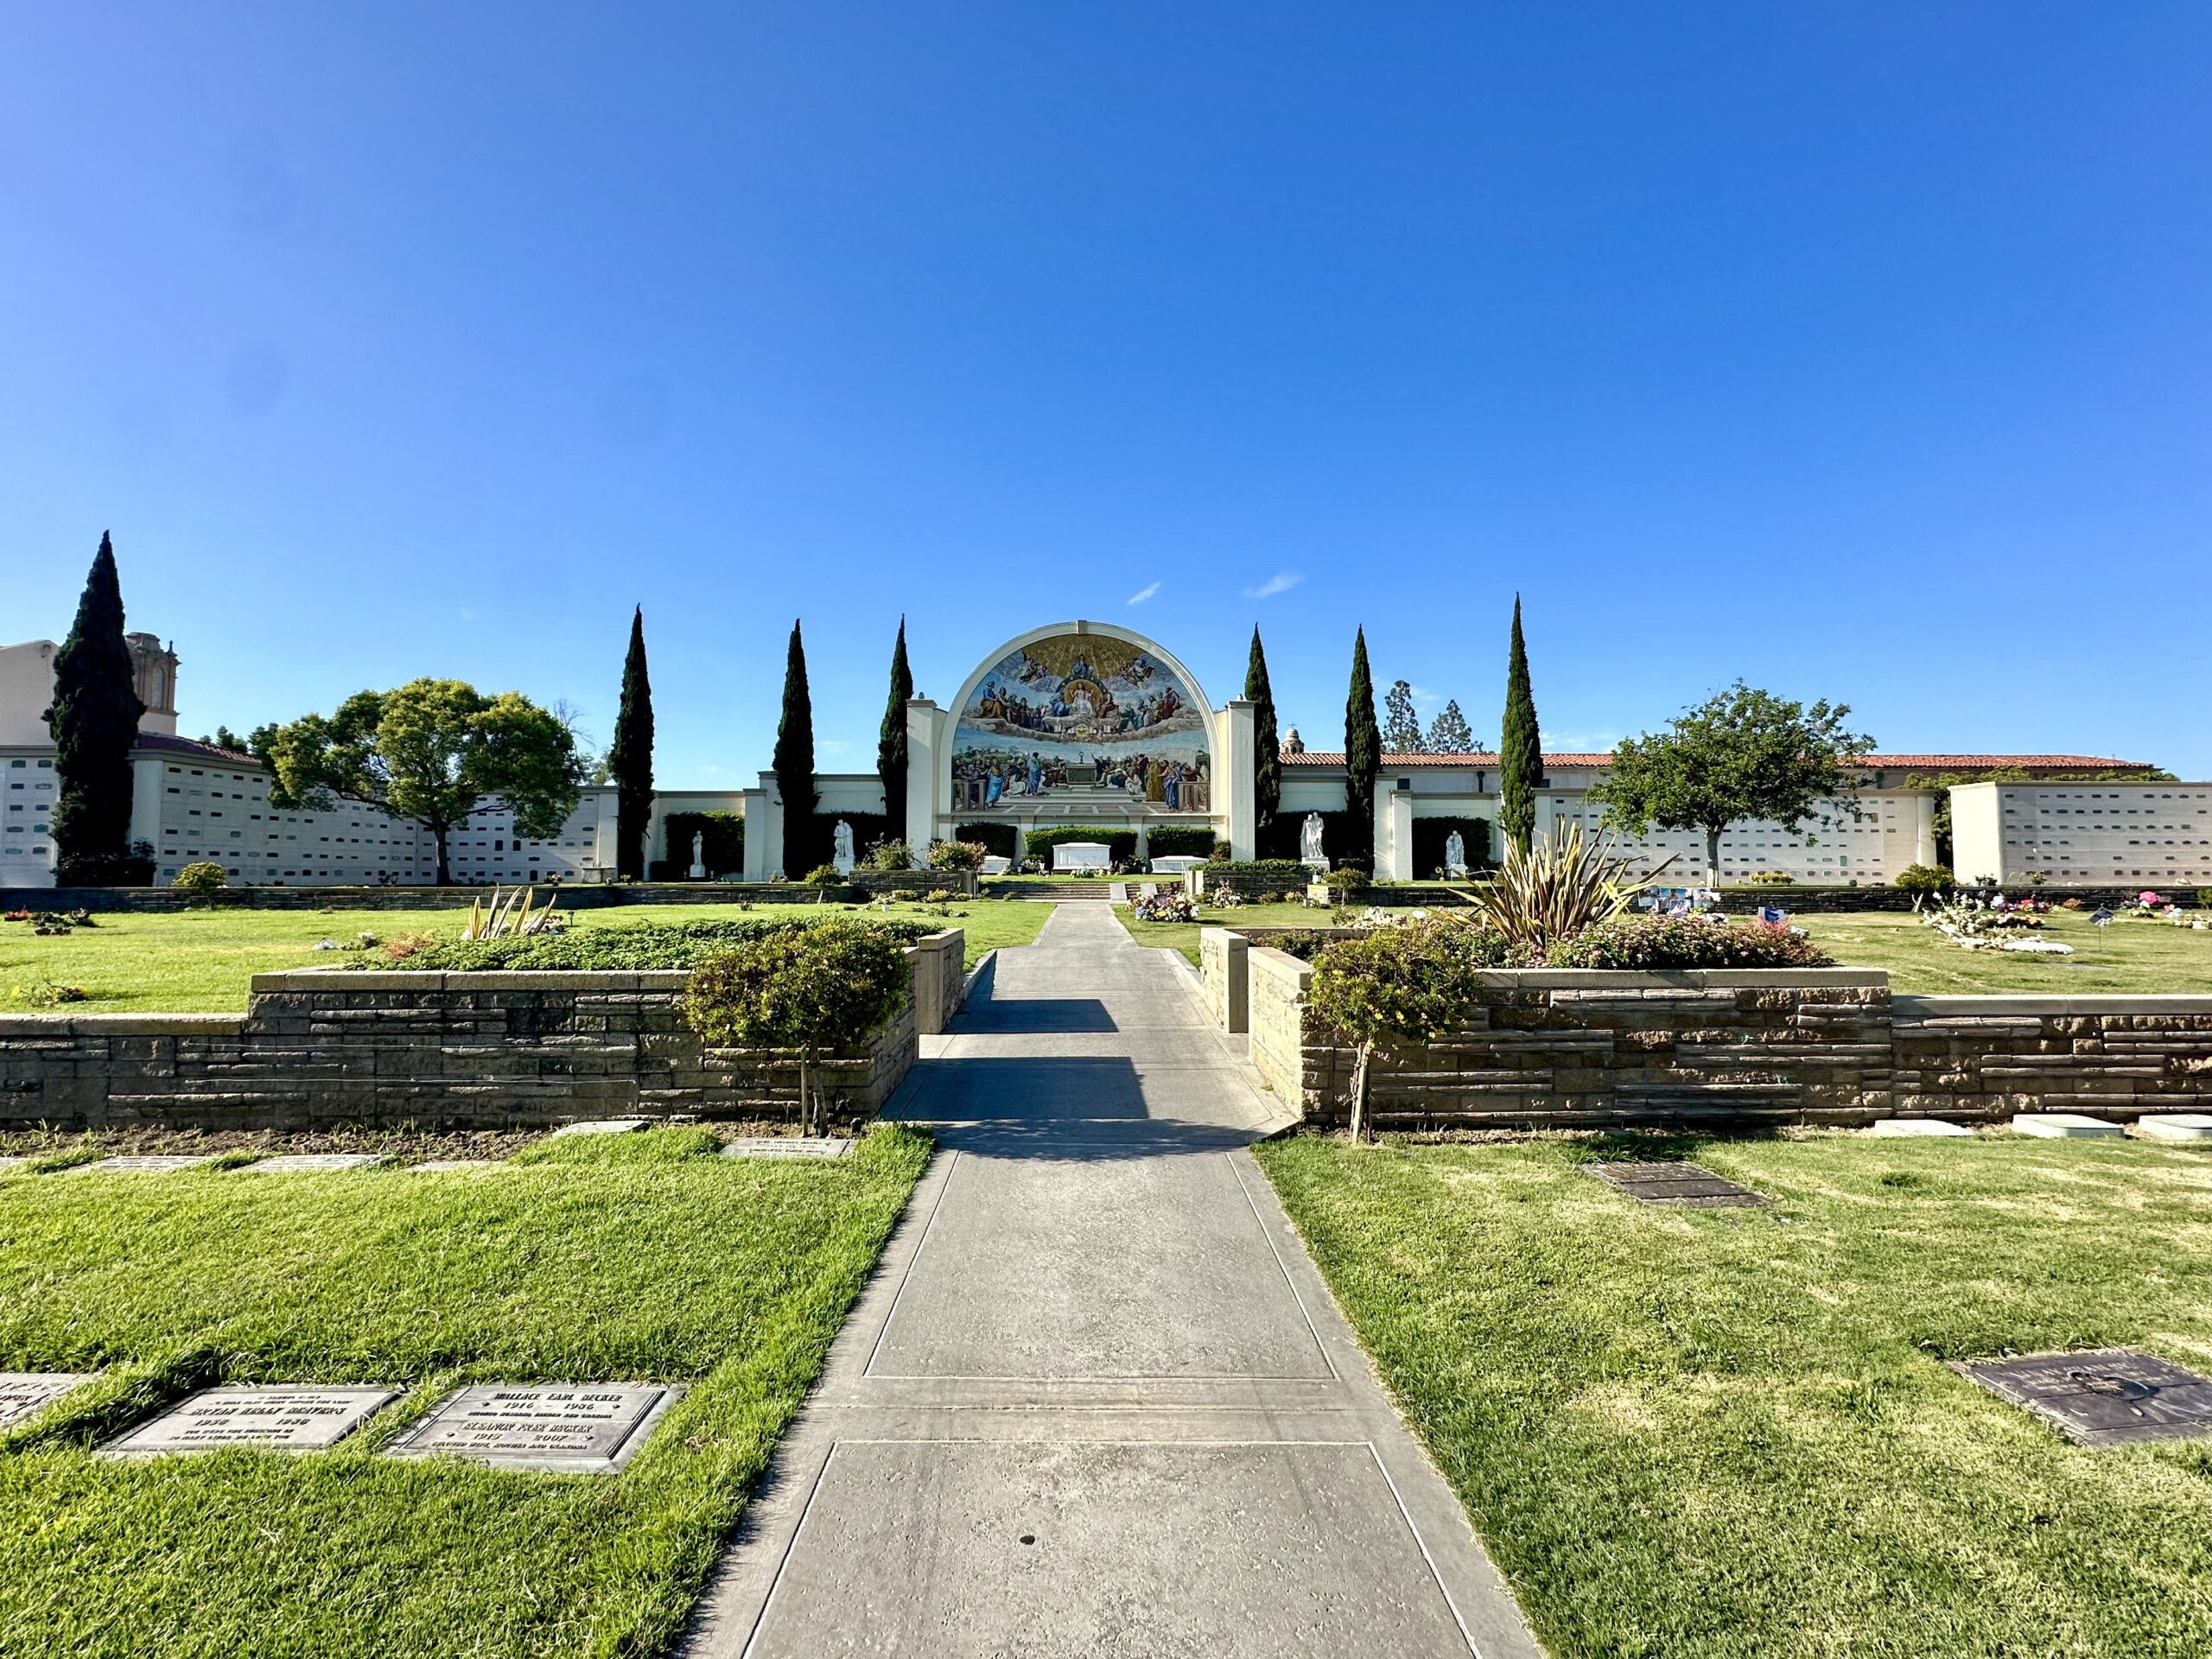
(1409, 984)
(624, 947)
(1346, 881)
(825, 875)
(1649, 944)
(203, 877)
(1560, 886)
(1769, 877)
(1922, 878)
(955, 855)
(1271, 869)
(841, 981)
(888, 856)
(1220, 853)
(2204, 898)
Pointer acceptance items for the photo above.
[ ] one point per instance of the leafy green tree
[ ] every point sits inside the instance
(629, 761)
(1744, 754)
(1402, 729)
(891, 743)
(1363, 752)
(794, 760)
(807, 989)
(426, 752)
(1521, 747)
(1449, 734)
(94, 721)
(1267, 747)
(1410, 984)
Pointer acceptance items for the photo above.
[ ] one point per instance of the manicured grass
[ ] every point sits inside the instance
(199, 961)
(633, 1258)
(1732, 1433)
(2125, 957)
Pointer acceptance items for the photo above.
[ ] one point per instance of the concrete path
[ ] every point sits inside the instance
(1095, 1401)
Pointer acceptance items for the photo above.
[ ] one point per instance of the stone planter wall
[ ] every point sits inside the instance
(1984, 1058)
(481, 1051)
(1568, 1047)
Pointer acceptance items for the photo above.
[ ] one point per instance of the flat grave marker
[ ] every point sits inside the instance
(583, 1428)
(288, 1418)
(1916, 1128)
(10, 1164)
(451, 1166)
(2108, 1397)
(2176, 1126)
(22, 1393)
(144, 1163)
(787, 1146)
(307, 1163)
(1685, 1186)
(604, 1126)
(2064, 1126)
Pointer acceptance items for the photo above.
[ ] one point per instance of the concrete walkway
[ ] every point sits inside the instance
(1095, 1401)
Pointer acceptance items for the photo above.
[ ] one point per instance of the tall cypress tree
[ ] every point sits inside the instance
(1363, 752)
(794, 763)
(94, 721)
(630, 759)
(1267, 746)
(1521, 749)
(891, 744)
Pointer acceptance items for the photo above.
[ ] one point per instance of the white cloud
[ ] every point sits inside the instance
(1143, 593)
(1281, 583)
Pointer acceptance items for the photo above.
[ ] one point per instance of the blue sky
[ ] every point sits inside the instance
(1858, 352)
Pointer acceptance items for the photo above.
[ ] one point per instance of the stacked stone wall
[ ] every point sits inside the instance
(1984, 1058)
(478, 1050)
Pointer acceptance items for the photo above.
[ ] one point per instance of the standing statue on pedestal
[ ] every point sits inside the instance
(1455, 854)
(1309, 840)
(698, 856)
(843, 860)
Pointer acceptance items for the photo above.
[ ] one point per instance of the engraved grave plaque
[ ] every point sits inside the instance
(558, 1428)
(151, 1163)
(294, 1419)
(307, 1163)
(787, 1146)
(1687, 1185)
(2108, 1397)
(22, 1393)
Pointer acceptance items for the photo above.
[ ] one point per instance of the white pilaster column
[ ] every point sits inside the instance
(1922, 827)
(925, 778)
(1399, 805)
(1237, 813)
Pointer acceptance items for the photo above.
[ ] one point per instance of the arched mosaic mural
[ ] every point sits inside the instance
(1082, 716)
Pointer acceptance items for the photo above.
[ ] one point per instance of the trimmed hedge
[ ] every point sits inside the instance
(623, 949)
(1646, 944)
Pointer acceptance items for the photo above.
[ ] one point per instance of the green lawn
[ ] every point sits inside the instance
(1730, 1433)
(2125, 956)
(639, 1259)
(199, 961)
(2130, 957)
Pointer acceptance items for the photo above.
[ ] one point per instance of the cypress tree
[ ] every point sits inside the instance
(1267, 747)
(891, 744)
(1363, 752)
(94, 721)
(1521, 750)
(794, 762)
(630, 759)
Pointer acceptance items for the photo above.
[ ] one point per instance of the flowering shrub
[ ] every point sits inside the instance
(1646, 943)
(956, 855)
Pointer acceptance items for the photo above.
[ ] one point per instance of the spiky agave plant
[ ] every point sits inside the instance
(1563, 883)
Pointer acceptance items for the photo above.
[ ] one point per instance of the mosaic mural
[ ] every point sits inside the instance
(1083, 714)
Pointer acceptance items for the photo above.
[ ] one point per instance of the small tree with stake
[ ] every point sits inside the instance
(806, 989)
(1744, 754)
(1400, 984)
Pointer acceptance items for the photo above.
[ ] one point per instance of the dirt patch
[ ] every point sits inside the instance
(403, 1146)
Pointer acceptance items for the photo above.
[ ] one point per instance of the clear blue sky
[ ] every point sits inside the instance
(1858, 351)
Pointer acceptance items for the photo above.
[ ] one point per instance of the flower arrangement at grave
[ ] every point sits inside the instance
(1164, 907)
(1974, 924)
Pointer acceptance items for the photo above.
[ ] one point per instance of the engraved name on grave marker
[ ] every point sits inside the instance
(562, 1428)
(290, 1419)
(22, 1393)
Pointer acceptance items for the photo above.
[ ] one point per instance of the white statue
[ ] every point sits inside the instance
(1309, 843)
(698, 856)
(1455, 854)
(843, 860)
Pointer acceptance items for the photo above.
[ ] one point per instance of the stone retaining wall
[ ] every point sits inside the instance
(478, 1050)
(2116, 1057)
(1566, 1047)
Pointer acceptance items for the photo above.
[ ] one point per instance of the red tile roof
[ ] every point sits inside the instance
(192, 749)
(1883, 762)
